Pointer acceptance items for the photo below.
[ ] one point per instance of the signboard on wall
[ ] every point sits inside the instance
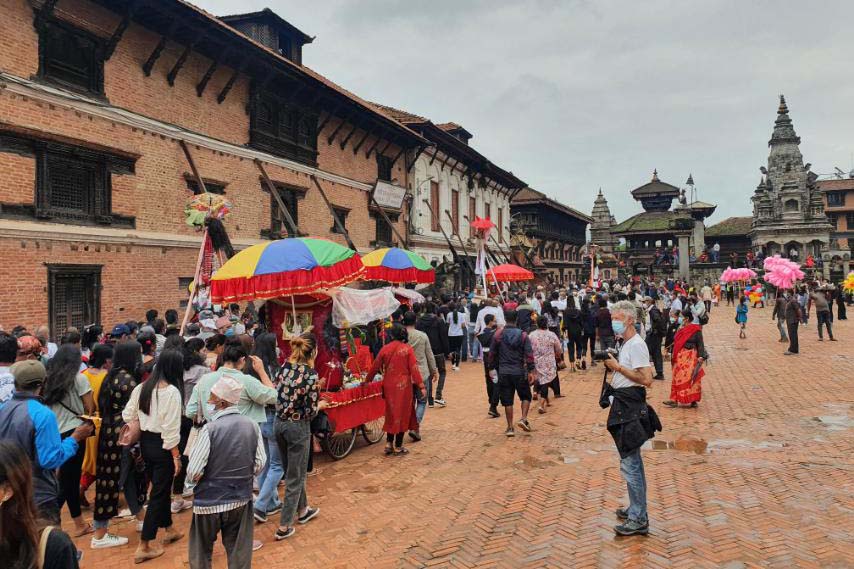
(388, 195)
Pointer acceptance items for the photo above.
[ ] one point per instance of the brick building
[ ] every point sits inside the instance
(99, 99)
(839, 208)
(557, 233)
(451, 183)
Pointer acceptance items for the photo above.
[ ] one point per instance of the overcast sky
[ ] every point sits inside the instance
(574, 95)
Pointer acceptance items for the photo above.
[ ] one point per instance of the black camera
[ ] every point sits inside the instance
(602, 355)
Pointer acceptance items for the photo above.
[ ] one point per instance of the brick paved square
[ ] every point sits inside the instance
(760, 475)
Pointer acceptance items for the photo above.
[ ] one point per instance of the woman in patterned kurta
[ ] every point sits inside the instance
(400, 372)
(689, 353)
(116, 469)
(547, 349)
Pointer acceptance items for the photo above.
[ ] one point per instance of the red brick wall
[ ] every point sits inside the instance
(136, 278)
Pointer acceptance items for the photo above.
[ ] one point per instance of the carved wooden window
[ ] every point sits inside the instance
(279, 226)
(436, 205)
(211, 186)
(383, 233)
(384, 167)
(342, 215)
(74, 296)
(72, 187)
(71, 57)
(283, 127)
(849, 220)
(835, 199)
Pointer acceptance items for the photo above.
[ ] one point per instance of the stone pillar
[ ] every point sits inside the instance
(699, 237)
(683, 256)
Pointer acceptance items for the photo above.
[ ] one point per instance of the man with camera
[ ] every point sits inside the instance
(630, 421)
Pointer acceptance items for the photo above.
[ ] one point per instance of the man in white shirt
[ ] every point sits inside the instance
(706, 295)
(489, 307)
(677, 302)
(632, 371)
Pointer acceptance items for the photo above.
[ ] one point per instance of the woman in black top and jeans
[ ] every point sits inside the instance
(573, 325)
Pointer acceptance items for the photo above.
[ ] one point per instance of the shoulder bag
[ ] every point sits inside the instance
(43, 545)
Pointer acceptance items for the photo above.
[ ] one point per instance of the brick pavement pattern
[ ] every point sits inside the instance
(760, 475)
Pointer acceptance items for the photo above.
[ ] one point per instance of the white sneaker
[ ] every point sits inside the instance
(139, 527)
(109, 540)
(180, 505)
(124, 513)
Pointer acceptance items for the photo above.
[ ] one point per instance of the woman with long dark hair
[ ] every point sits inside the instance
(399, 367)
(100, 360)
(194, 368)
(268, 480)
(68, 394)
(148, 343)
(458, 320)
(297, 403)
(158, 404)
(117, 469)
(20, 531)
(573, 326)
(687, 357)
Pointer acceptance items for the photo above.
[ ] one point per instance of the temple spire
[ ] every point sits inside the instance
(782, 109)
(655, 175)
(784, 131)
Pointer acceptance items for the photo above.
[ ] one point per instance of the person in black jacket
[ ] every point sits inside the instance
(603, 325)
(573, 326)
(485, 339)
(588, 343)
(656, 333)
(437, 331)
(512, 357)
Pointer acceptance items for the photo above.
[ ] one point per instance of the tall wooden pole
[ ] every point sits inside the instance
(271, 187)
(335, 217)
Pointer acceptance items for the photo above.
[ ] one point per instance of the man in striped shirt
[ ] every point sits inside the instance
(226, 455)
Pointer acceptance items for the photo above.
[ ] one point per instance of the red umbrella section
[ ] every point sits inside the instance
(510, 273)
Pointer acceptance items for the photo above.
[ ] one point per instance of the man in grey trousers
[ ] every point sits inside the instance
(225, 457)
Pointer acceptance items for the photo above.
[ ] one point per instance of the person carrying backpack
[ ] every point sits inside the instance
(511, 356)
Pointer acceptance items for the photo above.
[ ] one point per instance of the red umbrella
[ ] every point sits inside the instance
(510, 273)
(482, 224)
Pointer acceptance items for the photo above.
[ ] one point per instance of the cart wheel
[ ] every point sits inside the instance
(373, 430)
(339, 445)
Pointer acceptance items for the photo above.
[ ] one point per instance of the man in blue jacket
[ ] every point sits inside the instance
(25, 420)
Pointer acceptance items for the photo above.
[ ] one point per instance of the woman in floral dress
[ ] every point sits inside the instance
(116, 470)
(547, 352)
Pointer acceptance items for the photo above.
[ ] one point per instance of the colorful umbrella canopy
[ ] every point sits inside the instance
(510, 273)
(395, 265)
(283, 268)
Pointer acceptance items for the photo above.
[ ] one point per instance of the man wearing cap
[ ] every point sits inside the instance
(26, 421)
(227, 454)
(119, 333)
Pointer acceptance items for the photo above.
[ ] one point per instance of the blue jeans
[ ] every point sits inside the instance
(475, 349)
(268, 497)
(631, 468)
(421, 402)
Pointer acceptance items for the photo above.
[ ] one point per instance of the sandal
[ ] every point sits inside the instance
(401, 450)
(671, 404)
(85, 531)
(388, 451)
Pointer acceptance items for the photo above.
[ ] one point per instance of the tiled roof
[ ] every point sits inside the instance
(843, 184)
(651, 221)
(731, 226)
(530, 195)
(299, 69)
(399, 115)
(654, 188)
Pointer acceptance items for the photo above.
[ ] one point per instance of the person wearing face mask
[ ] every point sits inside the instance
(687, 358)
(631, 421)
(227, 454)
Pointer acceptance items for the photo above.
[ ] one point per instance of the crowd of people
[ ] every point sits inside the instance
(216, 419)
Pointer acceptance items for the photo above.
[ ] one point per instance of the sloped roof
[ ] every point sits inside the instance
(655, 187)
(399, 115)
(836, 184)
(530, 195)
(649, 221)
(271, 17)
(731, 226)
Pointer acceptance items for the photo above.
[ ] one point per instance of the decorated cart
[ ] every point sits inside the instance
(295, 285)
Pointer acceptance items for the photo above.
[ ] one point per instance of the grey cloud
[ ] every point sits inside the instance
(576, 95)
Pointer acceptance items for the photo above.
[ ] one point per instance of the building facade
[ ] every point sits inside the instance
(109, 110)
(451, 183)
(788, 207)
(557, 235)
(839, 207)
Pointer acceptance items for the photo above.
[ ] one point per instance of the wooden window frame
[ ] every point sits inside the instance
(58, 271)
(95, 83)
(472, 215)
(278, 225)
(436, 204)
(212, 186)
(342, 212)
(295, 141)
(455, 211)
(501, 225)
(384, 165)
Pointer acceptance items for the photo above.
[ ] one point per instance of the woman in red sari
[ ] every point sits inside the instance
(399, 367)
(687, 357)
